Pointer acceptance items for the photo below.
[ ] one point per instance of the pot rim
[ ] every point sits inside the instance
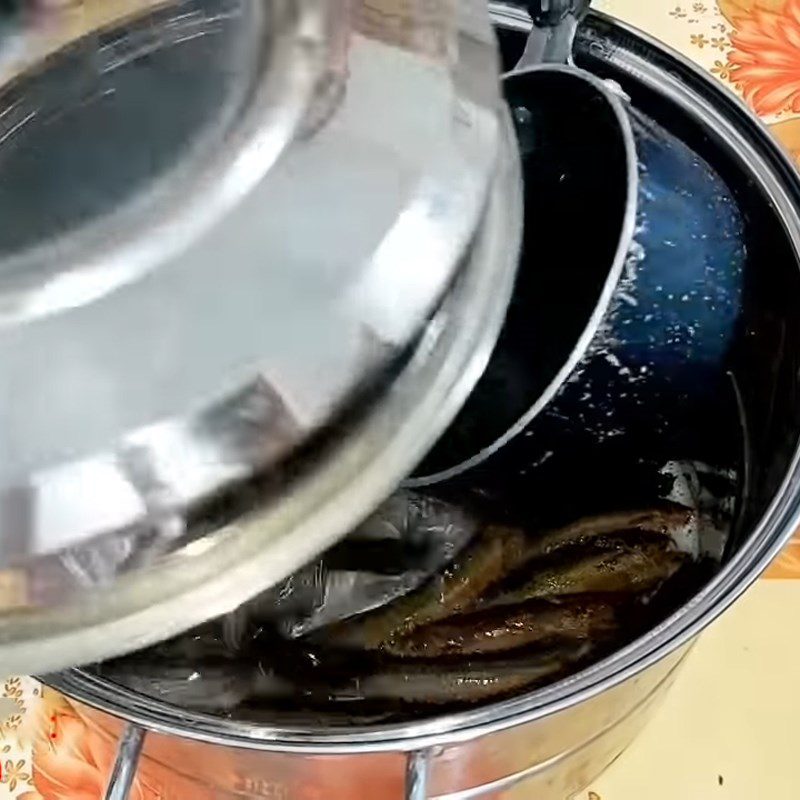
(615, 100)
(779, 180)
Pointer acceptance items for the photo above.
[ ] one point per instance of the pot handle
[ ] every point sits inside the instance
(417, 773)
(128, 753)
(553, 33)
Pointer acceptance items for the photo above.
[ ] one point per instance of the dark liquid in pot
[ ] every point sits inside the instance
(513, 609)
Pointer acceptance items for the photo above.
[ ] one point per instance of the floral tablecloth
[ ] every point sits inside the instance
(727, 729)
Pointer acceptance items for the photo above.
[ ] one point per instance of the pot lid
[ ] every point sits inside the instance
(225, 221)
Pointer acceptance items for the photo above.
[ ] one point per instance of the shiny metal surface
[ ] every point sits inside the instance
(267, 275)
(552, 35)
(551, 742)
(282, 53)
(122, 776)
(238, 557)
(549, 759)
(417, 775)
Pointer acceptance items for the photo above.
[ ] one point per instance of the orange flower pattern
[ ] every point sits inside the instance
(766, 58)
(74, 749)
(733, 9)
(14, 773)
(70, 760)
(787, 564)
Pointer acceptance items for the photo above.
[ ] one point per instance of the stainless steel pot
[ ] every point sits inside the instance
(553, 741)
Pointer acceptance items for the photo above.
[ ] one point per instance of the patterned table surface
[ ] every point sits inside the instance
(725, 732)
(726, 729)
